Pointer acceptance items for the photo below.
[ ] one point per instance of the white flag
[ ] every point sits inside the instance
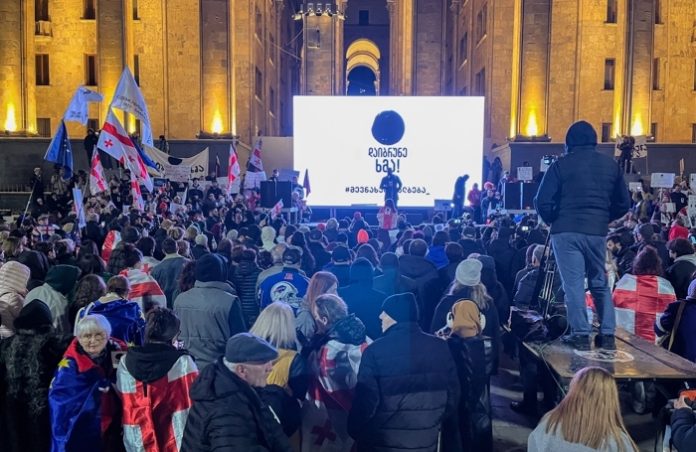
(77, 110)
(129, 98)
(79, 207)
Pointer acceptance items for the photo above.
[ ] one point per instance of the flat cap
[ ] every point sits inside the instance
(247, 348)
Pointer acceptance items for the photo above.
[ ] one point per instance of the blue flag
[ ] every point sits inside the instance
(146, 158)
(59, 150)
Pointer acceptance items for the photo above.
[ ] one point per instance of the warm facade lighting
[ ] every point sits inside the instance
(532, 128)
(217, 122)
(10, 119)
(637, 126)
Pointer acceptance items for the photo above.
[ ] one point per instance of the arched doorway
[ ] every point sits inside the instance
(362, 68)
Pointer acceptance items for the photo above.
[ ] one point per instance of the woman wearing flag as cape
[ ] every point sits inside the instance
(85, 408)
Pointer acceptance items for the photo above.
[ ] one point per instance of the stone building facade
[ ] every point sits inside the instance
(232, 66)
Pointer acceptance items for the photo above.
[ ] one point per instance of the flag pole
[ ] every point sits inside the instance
(26, 209)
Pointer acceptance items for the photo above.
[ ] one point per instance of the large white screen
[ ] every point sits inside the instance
(442, 139)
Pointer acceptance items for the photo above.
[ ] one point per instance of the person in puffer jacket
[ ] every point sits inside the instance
(13, 287)
(407, 385)
(154, 382)
(244, 280)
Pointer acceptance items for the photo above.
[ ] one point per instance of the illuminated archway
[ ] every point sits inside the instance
(362, 68)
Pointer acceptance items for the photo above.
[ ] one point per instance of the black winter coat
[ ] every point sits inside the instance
(391, 282)
(244, 280)
(684, 429)
(473, 421)
(680, 274)
(28, 361)
(624, 260)
(582, 192)
(407, 386)
(228, 415)
(427, 279)
(366, 303)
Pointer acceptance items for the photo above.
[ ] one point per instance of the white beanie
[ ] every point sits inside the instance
(202, 240)
(468, 272)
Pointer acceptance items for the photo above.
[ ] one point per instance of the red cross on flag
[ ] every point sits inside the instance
(639, 302)
(114, 140)
(97, 181)
(233, 170)
(277, 209)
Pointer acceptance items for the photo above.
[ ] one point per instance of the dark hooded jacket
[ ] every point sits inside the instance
(362, 299)
(391, 281)
(407, 386)
(228, 414)
(244, 280)
(28, 361)
(37, 263)
(584, 190)
(427, 279)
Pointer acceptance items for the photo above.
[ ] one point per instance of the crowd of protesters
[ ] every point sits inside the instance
(202, 323)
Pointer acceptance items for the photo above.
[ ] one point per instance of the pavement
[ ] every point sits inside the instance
(511, 430)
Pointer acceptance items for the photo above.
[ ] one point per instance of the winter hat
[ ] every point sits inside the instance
(63, 278)
(401, 307)
(201, 240)
(247, 348)
(340, 254)
(15, 275)
(468, 272)
(33, 315)
(363, 236)
(466, 321)
(581, 133)
(210, 267)
(487, 261)
(321, 227)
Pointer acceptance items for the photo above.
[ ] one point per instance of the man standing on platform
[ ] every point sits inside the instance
(579, 195)
(391, 184)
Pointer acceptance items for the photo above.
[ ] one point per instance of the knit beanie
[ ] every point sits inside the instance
(210, 267)
(268, 234)
(466, 322)
(33, 315)
(363, 236)
(581, 133)
(63, 278)
(401, 307)
(468, 272)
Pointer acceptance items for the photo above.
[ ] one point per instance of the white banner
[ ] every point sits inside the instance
(198, 164)
(662, 180)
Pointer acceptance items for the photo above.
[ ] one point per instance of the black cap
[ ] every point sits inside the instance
(581, 133)
(247, 348)
(401, 307)
(210, 267)
(33, 315)
(340, 254)
(292, 255)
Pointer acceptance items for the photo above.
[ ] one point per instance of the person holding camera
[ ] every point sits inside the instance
(578, 196)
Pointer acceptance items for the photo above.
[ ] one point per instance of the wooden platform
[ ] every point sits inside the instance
(635, 359)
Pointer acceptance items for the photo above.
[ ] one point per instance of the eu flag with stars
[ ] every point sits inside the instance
(59, 151)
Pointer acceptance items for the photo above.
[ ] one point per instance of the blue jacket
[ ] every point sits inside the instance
(684, 429)
(684, 342)
(436, 255)
(288, 286)
(582, 192)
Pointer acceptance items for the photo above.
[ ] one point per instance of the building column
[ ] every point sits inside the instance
(640, 31)
(215, 63)
(17, 68)
(534, 70)
(323, 58)
(111, 47)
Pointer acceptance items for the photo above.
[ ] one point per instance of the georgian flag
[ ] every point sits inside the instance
(639, 301)
(114, 140)
(233, 170)
(97, 181)
(277, 209)
(255, 164)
